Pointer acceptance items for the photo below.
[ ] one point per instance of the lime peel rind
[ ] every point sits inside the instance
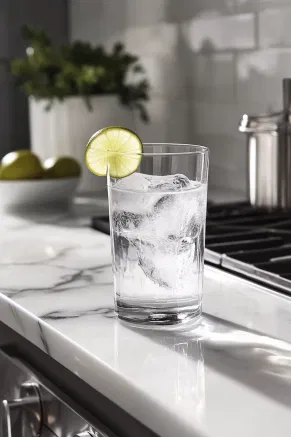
(114, 150)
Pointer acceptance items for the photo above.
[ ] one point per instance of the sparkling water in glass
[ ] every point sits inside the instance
(157, 220)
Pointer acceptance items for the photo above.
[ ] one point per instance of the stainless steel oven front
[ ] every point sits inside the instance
(29, 409)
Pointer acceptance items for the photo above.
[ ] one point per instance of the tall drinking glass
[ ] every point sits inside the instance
(157, 221)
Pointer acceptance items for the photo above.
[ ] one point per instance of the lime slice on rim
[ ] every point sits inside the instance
(114, 149)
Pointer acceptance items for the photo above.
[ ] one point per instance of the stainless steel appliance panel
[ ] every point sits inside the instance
(29, 409)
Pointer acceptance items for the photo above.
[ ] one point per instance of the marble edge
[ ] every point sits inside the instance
(85, 365)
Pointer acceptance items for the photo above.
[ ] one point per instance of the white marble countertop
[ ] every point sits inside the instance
(231, 376)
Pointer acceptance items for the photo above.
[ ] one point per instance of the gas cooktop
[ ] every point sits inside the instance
(253, 242)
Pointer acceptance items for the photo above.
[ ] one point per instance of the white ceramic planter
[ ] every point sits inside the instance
(67, 126)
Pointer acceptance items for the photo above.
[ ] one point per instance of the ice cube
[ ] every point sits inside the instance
(121, 245)
(133, 182)
(176, 215)
(124, 252)
(146, 260)
(131, 194)
(175, 182)
(161, 203)
(165, 262)
(170, 206)
(144, 183)
(126, 221)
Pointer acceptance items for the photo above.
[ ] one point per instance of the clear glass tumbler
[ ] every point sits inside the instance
(157, 221)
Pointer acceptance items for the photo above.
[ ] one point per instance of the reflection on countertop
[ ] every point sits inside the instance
(185, 374)
(230, 376)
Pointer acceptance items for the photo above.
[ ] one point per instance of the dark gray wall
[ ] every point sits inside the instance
(52, 16)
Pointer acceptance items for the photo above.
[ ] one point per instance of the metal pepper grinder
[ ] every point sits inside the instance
(269, 155)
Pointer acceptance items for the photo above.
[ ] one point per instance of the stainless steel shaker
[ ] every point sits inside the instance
(269, 155)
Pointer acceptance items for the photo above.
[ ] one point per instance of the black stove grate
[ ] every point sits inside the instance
(254, 242)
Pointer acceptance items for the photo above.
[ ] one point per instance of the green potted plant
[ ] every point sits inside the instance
(74, 90)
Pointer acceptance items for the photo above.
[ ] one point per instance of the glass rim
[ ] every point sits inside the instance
(196, 149)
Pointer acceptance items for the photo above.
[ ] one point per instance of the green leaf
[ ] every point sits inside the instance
(32, 35)
(118, 48)
(81, 69)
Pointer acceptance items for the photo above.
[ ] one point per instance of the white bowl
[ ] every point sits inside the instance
(37, 192)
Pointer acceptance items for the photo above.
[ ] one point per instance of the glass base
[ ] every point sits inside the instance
(159, 318)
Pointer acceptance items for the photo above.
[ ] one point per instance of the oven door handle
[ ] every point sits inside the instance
(5, 418)
(30, 399)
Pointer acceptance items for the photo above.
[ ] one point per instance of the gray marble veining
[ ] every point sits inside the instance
(230, 376)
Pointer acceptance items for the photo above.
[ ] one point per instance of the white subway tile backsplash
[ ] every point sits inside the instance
(228, 160)
(216, 126)
(154, 131)
(177, 122)
(245, 6)
(182, 10)
(97, 21)
(213, 77)
(168, 121)
(273, 3)
(160, 39)
(215, 118)
(234, 32)
(263, 62)
(231, 147)
(208, 61)
(224, 177)
(145, 13)
(274, 27)
(165, 76)
(260, 75)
